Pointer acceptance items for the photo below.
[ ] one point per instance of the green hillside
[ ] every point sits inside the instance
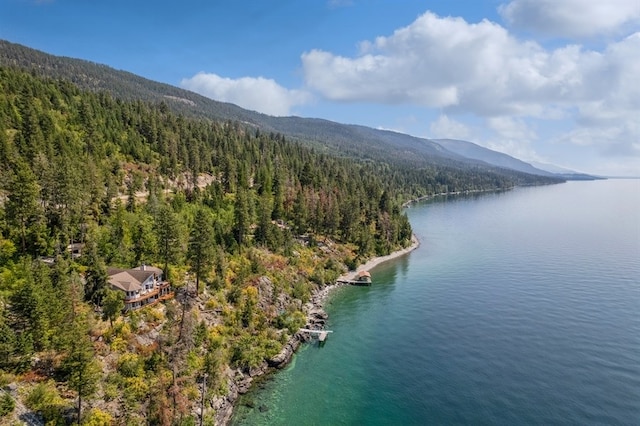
(246, 224)
(327, 136)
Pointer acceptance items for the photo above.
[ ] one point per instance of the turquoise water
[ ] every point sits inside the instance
(518, 308)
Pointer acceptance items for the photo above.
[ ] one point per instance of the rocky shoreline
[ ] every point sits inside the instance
(316, 319)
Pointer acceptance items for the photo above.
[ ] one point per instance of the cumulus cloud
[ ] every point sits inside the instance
(511, 128)
(482, 69)
(254, 93)
(449, 63)
(447, 128)
(572, 18)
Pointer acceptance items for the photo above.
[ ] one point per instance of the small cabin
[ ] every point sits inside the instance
(363, 277)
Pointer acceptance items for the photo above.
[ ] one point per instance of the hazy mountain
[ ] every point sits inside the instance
(499, 159)
(551, 168)
(565, 173)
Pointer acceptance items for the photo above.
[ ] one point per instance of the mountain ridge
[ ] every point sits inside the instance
(349, 140)
(475, 151)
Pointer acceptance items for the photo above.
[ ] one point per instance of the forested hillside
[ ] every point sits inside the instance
(246, 224)
(271, 221)
(329, 137)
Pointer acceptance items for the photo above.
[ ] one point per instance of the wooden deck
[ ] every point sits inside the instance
(321, 334)
(354, 282)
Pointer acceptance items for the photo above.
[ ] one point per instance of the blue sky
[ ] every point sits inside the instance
(554, 81)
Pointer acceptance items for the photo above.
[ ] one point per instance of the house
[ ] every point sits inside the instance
(141, 286)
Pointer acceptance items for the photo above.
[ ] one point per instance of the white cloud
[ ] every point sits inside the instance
(254, 93)
(522, 150)
(511, 128)
(573, 18)
(447, 128)
(449, 63)
(513, 136)
(482, 69)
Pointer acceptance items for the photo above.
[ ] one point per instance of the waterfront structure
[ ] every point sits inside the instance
(361, 278)
(364, 278)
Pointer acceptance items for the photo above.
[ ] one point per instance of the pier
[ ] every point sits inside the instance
(320, 334)
(361, 278)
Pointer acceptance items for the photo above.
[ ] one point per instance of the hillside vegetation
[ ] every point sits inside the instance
(276, 221)
(247, 224)
(325, 136)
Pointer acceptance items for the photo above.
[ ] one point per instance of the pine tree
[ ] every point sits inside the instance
(242, 215)
(200, 253)
(22, 202)
(168, 237)
(95, 275)
(81, 368)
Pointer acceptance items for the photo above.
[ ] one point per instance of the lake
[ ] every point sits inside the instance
(520, 307)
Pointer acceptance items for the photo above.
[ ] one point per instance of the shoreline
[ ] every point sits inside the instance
(316, 317)
(407, 204)
(315, 305)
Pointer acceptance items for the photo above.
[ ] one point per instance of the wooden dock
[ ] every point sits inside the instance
(354, 282)
(320, 334)
(361, 278)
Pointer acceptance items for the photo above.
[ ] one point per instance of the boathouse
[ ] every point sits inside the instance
(364, 277)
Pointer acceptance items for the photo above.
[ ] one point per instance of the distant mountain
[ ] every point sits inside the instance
(499, 159)
(551, 168)
(326, 136)
(565, 173)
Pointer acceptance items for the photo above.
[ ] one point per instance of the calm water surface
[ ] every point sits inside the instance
(518, 308)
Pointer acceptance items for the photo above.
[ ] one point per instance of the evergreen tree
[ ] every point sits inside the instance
(7, 343)
(80, 367)
(167, 233)
(144, 240)
(200, 253)
(29, 308)
(22, 203)
(242, 216)
(95, 275)
(112, 305)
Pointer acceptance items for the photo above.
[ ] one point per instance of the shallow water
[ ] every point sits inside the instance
(520, 307)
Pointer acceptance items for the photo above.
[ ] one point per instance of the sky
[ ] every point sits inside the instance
(552, 81)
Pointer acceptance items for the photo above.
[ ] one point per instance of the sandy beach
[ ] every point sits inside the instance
(318, 297)
(372, 263)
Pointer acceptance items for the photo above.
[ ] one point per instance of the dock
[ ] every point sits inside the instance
(353, 282)
(362, 278)
(320, 334)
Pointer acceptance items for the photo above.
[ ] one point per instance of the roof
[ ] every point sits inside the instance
(125, 281)
(131, 279)
(363, 274)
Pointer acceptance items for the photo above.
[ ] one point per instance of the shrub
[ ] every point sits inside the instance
(97, 417)
(130, 365)
(7, 404)
(301, 291)
(46, 400)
